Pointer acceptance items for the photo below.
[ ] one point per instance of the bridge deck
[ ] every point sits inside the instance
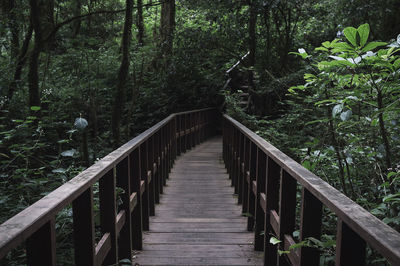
(198, 220)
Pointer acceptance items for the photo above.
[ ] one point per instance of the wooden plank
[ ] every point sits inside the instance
(198, 261)
(274, 221)
(294, 255)
(263, 201)
(133, 201)
(102, 248)
(198, 217)
(121, 219)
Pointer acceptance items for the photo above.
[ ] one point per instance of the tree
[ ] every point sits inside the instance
(119, 96)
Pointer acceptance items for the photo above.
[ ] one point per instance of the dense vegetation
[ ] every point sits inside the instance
(79, 78)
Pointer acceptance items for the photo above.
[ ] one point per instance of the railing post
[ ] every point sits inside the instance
(84, 241)
(287, 211)
(156, 176)
(245, 184)
(137, 223)
(259, 235)
(240, 168)
(250, 178)
(271, 208)
(310, 226)
(150, 160)
(234, 159)
(145, 196)
(350, 247)
(41, 246)
(125, 235)
(108, 213)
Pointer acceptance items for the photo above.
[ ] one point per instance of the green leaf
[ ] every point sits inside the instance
(299, 245)
(281, 252)
(351, 35)
(372, 45)
(35, 108)
(396, 64)
(363, 31)
(274, 241)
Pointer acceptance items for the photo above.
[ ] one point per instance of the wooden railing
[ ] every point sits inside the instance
(140, 168)
(266, 182)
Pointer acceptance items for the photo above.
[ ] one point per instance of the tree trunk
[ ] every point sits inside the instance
(139, 22)
(20, 63)
(33, 77)
(122, 75)
(14, 30)
(252, 41)
(46, 21)
(76, 26)
(167, 27)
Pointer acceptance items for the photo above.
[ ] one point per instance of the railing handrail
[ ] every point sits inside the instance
(376, 233)
(18, 228)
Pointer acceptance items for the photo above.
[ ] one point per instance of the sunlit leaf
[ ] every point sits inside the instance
(80, 123)
(274, 241)
(363, 31)
(351, 35)
(68, 153)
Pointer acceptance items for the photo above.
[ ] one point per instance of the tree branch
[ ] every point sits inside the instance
(59, 25)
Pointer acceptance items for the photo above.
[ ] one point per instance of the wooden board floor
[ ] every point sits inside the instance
(198, 221)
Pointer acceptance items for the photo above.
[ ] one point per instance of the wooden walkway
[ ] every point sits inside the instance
(198, 221)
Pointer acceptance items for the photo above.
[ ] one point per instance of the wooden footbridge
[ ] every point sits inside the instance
(180, 194)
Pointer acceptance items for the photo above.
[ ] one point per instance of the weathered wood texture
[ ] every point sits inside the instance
(198, 220)
(140, 168)
(272, 179)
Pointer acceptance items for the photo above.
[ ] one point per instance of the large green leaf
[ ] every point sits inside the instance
(363, 31)
(351, 35)
(372, 45)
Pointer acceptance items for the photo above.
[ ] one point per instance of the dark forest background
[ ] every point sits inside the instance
(79, 78)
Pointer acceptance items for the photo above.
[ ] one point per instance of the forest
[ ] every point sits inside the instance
(320, 80)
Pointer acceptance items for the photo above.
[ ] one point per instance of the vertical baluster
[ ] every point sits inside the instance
(350, 247)
(145, 196)
(182, 133)
(174, 142)
(156, 176)
(150, 161)
(240, 173)
(272, 206)
(260, 215)
(163, 159)
(198, 122)
(251, 178)
(41, 246)
(233, 159)
(178, 132)
(310, 226)
(287, 211)
(191, 134)
(135, 179)
(84, 241)
(245, 184)
(108, 214)
(125, 235)
(237, 161)
(170, 156)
